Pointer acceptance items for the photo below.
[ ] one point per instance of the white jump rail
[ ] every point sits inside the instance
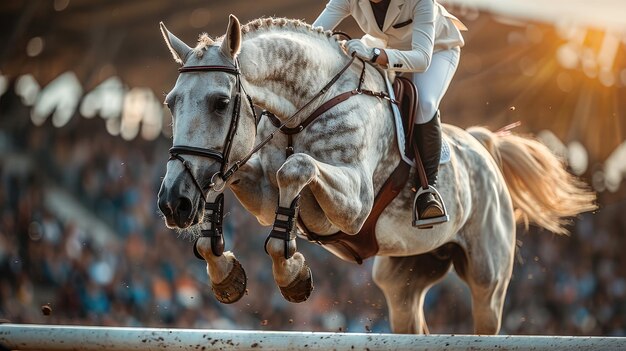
(65, 337)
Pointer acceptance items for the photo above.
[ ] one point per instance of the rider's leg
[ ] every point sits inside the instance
(427, 138)
(432, 85)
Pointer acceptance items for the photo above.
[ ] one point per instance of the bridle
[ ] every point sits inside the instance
(223, 157)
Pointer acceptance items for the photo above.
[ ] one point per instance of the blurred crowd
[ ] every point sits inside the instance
(146, 275)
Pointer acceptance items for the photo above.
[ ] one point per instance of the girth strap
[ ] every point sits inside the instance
(215, 231)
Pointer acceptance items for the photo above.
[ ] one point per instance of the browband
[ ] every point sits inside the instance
(224, 69)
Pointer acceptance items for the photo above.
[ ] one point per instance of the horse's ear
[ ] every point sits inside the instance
(232, 40)
(177, 47)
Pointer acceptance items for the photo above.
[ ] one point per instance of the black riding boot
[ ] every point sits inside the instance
(429, 206)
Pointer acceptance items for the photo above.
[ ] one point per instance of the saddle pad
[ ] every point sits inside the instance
(397, 118)
(445, 152)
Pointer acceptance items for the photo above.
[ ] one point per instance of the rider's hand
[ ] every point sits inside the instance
(362, 51)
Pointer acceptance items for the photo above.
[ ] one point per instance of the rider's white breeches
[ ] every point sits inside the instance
(433, 83)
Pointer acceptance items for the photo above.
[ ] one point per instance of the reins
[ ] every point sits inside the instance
(278, 128)
(323, 108)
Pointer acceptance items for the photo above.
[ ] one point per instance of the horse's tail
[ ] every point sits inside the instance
(542, 190)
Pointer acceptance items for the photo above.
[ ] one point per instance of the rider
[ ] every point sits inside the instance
(417, 36)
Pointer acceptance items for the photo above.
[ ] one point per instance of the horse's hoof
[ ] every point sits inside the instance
(233, 287)
(300, 289)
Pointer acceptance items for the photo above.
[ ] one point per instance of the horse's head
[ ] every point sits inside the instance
(213, 125)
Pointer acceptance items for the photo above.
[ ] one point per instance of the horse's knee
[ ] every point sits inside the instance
(298, 169)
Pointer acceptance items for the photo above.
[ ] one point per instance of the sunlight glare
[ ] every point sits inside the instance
(4, 84)
(152, 119)
(578, 158)
(27, 89)
(553, 143)
(106, 100)
(134, 106)
(60, 98)
(615, 168)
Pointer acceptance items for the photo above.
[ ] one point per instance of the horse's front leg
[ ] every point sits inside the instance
(228, 279)
(345, 196)
(254, 191)
(227, 276)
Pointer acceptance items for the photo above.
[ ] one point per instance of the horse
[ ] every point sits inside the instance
(324, 178)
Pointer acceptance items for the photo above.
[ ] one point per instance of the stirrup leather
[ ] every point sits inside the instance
(428, 223)
(214, 230)
(285, 229)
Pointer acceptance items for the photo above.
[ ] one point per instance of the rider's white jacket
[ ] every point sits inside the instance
(412, 31)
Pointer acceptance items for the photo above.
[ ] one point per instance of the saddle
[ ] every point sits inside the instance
(363, 245)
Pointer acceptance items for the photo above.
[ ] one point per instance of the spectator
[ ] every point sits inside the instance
(148, 276)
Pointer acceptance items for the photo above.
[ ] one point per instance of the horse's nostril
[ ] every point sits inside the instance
(165, 208)
(183, 208)
(184, 204)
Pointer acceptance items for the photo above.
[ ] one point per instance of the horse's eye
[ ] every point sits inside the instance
(221, 104)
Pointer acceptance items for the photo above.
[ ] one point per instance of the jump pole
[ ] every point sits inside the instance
(65, 337)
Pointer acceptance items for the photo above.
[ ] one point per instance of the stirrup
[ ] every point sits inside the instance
(428, 223)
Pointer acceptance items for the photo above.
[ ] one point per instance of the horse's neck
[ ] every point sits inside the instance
(285, 70)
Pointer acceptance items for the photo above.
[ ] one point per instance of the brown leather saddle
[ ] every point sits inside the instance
(363, 245)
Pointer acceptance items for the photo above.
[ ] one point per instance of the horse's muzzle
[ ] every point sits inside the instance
(177, 209)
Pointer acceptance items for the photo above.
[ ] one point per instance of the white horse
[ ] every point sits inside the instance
(338, 164)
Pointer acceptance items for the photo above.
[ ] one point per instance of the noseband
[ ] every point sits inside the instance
(221, 157)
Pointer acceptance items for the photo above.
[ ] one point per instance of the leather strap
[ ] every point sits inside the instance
(210, 68)
(285, 229)
(189, 171)
(196, 151)
(323, 108)
(215, 232)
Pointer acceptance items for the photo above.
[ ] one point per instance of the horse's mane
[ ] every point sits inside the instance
(264, 24)
(268, 23)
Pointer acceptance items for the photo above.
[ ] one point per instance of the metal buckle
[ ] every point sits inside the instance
(212, 184)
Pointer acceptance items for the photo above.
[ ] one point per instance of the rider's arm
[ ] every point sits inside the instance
(422, 44)
(333, 14)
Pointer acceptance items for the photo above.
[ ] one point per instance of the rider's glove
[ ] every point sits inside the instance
(361, 50)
